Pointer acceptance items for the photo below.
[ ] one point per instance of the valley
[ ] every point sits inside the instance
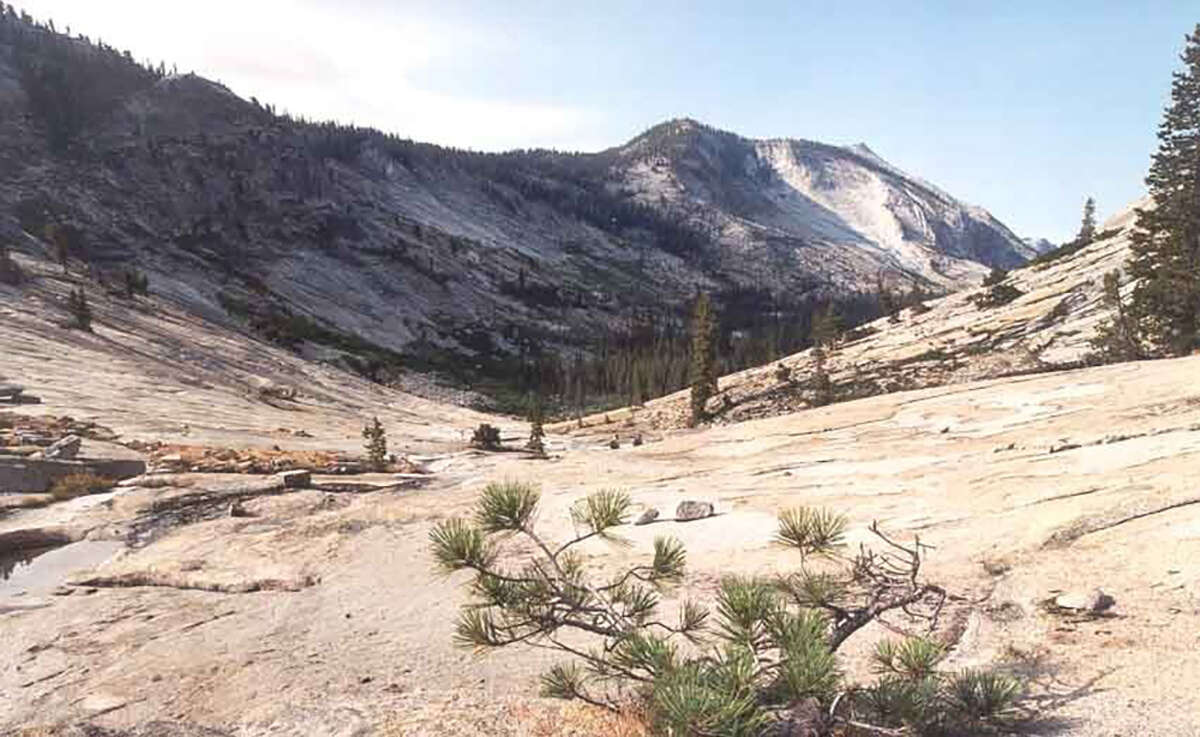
(312, 429)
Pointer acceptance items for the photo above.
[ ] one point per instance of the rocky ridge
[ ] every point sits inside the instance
(352, 245)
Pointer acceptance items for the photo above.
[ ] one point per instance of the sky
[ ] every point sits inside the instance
(1024, 108)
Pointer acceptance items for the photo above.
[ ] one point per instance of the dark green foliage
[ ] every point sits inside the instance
(827, 326)
(1087, 229)
(819, 382)
(1117, 338)
(994, 277)
(278, 324)
(375, 444)
(10, 273)
(811, 530)
(998, 292)
(61, 240)
(507, 506)
(134, 283)
(1165, 259)
(704, 358)
(486, 437)
(79, 310)
(768, 645)
(1067, 249)
(70, 84)
(537, 434)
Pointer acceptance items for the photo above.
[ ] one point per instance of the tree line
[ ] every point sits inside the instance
(1161, 314)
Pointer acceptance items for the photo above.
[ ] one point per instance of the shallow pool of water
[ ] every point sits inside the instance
(42, 569)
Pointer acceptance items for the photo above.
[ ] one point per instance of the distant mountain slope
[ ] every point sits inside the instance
(841, 212)
(953, 340)
(351, 245)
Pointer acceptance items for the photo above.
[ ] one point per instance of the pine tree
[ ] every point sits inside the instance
(537, 434)
(1087, 229)
(1165, 260)
(1117, 337)
(376, 444)
(637, 393)
(62, 245)
(827, 326)
(10, 273)
(821, 385)
(81, 311)
(704, 357)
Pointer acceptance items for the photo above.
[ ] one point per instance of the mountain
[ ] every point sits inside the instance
(842, 213)
(1039, 245)
(350, 245)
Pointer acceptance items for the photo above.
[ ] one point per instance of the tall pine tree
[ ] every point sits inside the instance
(704, 356)
(1165, 258)
(1087, 229)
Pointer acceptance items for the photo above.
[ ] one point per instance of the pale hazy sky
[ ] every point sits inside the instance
(1016, 106)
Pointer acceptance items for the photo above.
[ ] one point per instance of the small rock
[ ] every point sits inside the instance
(296, 479)
(692, 510)
(615, 443)
(1095, 602)
(64, 449)
(637, 440)
(237, 510)
(647, 517)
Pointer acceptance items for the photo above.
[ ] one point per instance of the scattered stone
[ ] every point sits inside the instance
(637, 440)
(65, 449)
(996, 567)
(692, 510)
(237, 510)
(1095, 603)
(1005, 611)
(647, 517)
(296, 479)
(615, 443)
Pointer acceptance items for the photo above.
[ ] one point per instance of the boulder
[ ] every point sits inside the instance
(63, 450)
(691, 510)
(647, 517)
(10, 391)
